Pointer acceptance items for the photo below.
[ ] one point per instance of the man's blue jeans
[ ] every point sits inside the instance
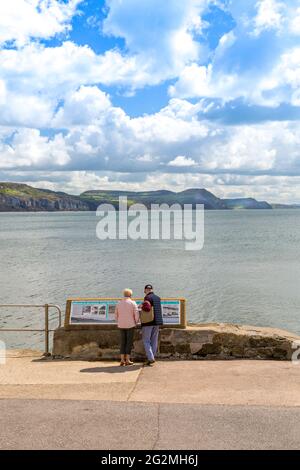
(150, 340)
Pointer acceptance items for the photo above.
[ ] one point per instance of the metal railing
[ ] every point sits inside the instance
(46, 329)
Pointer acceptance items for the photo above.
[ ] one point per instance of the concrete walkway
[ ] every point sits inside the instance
(173, 405)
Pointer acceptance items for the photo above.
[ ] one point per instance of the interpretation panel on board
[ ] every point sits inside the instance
(101, 312)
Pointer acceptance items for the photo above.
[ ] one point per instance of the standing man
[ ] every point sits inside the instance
(150, 331)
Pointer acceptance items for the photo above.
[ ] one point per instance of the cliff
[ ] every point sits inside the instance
(246, 203)
(21, 197)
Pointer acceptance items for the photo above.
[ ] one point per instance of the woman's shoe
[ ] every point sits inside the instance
(128, 363)
(122, 364)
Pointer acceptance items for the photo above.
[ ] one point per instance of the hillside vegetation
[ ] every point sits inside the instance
(22, 197)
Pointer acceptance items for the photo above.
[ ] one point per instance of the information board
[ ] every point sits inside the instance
(101, 311)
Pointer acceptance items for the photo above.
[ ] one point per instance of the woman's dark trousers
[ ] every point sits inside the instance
(126, 340)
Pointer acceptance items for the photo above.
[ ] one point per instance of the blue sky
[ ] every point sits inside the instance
(135, 94)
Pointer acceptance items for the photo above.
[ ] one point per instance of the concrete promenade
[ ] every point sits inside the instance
(173, 405)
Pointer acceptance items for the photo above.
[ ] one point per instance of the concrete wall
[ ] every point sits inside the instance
(210, 341)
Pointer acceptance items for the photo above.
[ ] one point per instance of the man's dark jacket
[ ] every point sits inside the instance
(156, 304)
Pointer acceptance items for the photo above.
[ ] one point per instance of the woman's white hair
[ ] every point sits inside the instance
(127, 292)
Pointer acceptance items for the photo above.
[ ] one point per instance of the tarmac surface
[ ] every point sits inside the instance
(173, 405)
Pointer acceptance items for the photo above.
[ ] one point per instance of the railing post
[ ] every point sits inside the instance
(46, 329)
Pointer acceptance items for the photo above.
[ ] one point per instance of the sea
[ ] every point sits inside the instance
(248, 271)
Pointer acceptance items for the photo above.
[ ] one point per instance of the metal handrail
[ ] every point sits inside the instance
(46, 330)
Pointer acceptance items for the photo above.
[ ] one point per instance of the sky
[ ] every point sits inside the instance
(151, 94)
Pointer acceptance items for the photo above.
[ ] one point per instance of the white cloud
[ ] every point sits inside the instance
(28, 148)
(288, 72)
(35, 68)
(35, 79)
(174, 138)
(270, 15)
(245, 64)
(211, 80)
(3, 93)
(57, 70)
(246, 148)
(25, 110)
(202, 81)
(279, 84)
(52, 73)
(162, 39)
(57, 89)
(82, 107)
(194, 81)
(146, 61)
(21, 20)
(280, 16)
(182, 161)
(294, 25)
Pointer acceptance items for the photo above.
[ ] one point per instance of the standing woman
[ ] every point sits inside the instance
(127, 317)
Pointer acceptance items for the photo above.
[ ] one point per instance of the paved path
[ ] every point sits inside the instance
(265, 383)
(174, 405)
(61, 424)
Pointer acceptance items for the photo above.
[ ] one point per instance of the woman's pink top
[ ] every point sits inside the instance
(126, 313)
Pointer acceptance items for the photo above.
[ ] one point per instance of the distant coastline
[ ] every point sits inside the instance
(17, 197)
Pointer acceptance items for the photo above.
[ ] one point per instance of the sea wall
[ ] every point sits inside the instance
(209, 341)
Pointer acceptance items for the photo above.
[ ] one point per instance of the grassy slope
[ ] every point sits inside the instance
(23, 191)
(93, 198)
(190, 196)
